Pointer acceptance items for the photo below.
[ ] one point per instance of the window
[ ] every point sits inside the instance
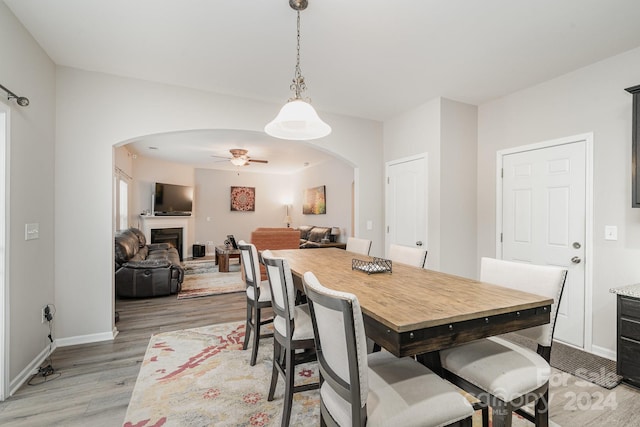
(121, 199)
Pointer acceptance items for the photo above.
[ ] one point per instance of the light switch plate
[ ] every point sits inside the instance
(369, 225)
(610, 232)
(31, 231)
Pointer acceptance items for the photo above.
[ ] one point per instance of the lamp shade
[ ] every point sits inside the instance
(287, 220)
(335, 231)
(297, 120)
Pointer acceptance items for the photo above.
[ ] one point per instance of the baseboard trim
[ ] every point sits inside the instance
(87, 339)
(604, 352)
(31, 369)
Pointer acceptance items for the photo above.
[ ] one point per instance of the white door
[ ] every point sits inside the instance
(544, 222)
(406, 207)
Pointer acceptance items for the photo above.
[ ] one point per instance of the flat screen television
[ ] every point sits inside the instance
(172, 199)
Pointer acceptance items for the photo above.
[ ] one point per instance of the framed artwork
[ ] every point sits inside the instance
(243, 199)
(314, 201)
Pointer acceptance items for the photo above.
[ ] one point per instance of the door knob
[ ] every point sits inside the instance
(419, 243)
(576, 260)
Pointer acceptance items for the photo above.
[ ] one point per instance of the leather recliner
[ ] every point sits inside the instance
(143, 270)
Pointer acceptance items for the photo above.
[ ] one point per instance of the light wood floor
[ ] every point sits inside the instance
(95, 381)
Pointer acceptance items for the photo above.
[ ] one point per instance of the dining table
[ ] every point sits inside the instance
(413, 311)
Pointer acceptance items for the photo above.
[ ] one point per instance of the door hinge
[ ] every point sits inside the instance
(501, 172)
(387, 229)
(387, 180)
(500, 237)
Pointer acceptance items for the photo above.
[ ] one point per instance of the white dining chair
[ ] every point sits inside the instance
(359, 246)
(502, 374)
(258, 297)
(377, 389)
(293, 342)
(407, 255)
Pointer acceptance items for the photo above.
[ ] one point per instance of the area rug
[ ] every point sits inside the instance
(215, 283)
(202, 377)
(199, 265)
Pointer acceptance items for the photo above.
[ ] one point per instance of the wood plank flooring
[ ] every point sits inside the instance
(95, 381)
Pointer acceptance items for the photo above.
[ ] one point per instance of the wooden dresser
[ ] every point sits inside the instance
(628, 338)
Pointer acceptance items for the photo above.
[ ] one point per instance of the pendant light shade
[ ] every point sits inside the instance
(297, 120)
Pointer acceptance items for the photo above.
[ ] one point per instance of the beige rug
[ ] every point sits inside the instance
(215, 283)
(202, 377)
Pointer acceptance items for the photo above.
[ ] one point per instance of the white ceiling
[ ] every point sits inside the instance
(366, 58)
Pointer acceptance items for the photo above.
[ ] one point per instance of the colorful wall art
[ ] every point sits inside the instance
(314, 201)
(243, 199)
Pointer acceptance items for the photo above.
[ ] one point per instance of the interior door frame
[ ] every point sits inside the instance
(587, 138)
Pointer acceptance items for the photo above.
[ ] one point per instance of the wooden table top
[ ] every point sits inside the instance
(410, 298)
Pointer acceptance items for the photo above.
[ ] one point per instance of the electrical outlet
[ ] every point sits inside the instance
(46, 314)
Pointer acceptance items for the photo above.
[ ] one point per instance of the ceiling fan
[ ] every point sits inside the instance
(240, 158)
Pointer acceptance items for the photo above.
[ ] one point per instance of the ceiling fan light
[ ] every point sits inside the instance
(297, 120)
(238, 161)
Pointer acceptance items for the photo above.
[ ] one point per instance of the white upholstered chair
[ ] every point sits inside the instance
(360, 246)
(258, 297)
(407, 255)
(292, 332)
(505, 375)
(377, 389)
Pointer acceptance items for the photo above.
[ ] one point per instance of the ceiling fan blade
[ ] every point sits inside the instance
(258, 161)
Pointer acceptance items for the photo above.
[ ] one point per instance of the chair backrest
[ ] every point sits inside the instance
(341, 343)
(283, 294)
(407, 255)
(543, 280)
(361, 246)
(250, 264)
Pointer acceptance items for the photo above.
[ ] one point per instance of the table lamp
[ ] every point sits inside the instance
(335, 232)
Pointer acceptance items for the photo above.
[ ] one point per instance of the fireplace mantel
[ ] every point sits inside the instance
(150, 222)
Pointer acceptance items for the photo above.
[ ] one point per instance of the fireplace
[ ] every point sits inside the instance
(172, 236)
(149, 222)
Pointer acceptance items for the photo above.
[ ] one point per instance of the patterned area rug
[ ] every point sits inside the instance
(197, 285)
(202, 377)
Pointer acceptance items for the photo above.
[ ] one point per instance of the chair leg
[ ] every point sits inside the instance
(256, 337)
(277, 350)
(485, 416)
(501, 416)
(247, 328)
(288, 391)
(542, 410)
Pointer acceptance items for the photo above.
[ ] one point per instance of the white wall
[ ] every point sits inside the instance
(96, 111)
(591, 99)
(446, 130)
(414, 132)
(27, 70)
(337, 177)
(458, 197)
(214, 218)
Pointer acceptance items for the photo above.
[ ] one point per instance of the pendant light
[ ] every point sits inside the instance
(298, 120)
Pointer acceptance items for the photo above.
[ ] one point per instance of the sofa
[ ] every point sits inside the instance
(274, 238)
(145, 270)
(312, 236)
